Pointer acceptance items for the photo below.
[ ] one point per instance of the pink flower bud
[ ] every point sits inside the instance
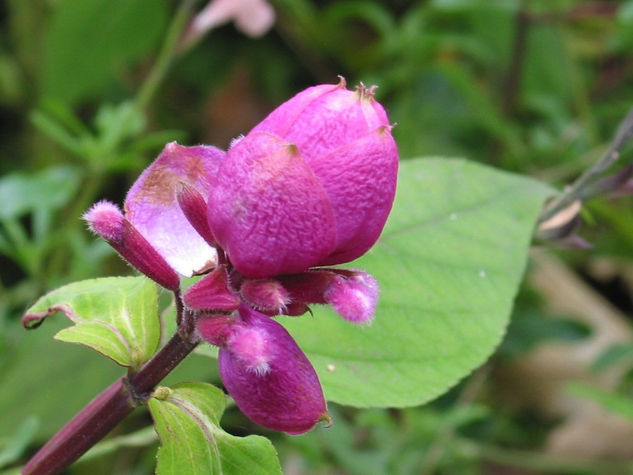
(194, 207)
(352, 293)
(106, 220)
(266, 295)
(278, 208)
(212, 293)
(353, 297)
(269, 377)
(268, 210)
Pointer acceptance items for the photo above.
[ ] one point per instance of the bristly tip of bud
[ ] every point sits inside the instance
(342, 83)
(366, 93)
(267, 295)
(354, 297)
(105, 219)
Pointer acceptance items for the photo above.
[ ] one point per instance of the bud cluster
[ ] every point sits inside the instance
(310, 186)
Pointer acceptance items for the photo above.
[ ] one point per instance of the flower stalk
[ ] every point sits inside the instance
(113, 405)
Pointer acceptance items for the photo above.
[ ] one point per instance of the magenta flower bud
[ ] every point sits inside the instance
(345, 137)
(269, 377)
(194, 207)
(212, 293)
(268, 210)
(106, 220)
(353, 297)
(265, 295)
(216, 329)
(312, 184)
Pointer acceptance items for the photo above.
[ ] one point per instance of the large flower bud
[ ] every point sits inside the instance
(266, 373)
(312, 184)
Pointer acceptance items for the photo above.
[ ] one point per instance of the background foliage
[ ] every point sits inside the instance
(535, 87)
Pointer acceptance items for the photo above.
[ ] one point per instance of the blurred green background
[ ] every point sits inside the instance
(90, 91)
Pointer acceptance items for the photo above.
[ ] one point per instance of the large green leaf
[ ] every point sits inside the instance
(187, 419)
(88, 41)
(449, 263)
(116, 316)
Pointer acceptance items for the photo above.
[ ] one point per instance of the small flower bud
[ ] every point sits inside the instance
(269, 377)
(268, 210)
(106, 220)
(354, 297)
(266, 295)
(194, 207)
(212, 293)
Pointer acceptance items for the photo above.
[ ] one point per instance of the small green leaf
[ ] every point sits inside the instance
(116, 316)
(187, 422)
(449, 264)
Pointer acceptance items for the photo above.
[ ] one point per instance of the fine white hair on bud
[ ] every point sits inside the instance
(235, 141)
(252, 347)
(354, 297)
(105, 219)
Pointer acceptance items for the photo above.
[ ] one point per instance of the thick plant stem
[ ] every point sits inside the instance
(105, 411)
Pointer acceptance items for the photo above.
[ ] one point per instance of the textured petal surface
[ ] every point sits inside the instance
(281, 121)
(152, 206)
(322, 118)
(268, 210)
(360, 179)
(287, 396)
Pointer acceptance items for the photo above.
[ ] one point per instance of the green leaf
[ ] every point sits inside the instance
(88, 42)
(116, 316)
(13, 448)
(449, 264)
(49, 189)
(187, 422)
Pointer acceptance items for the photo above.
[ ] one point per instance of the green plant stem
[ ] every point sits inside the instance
(575, 190)
(110, 407)
(166, 56)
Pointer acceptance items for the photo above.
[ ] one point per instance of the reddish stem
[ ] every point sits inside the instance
(109, 408)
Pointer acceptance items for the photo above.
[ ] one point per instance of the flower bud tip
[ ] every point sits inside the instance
(105, 219)
(354, 297)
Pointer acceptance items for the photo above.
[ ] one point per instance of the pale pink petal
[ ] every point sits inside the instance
(255, 17)
(152, 205)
